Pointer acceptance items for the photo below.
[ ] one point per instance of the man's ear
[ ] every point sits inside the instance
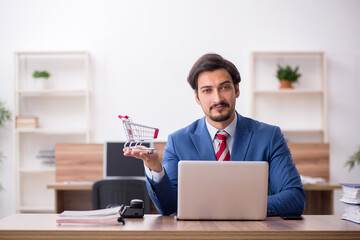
(237, 90)
(196, 97)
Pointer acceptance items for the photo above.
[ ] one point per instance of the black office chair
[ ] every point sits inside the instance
(120, 190)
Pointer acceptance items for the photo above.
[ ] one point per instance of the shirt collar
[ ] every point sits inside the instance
(230, 129)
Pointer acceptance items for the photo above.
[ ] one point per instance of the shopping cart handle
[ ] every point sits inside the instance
(126, 117)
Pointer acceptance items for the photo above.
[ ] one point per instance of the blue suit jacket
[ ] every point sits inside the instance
(253, 141)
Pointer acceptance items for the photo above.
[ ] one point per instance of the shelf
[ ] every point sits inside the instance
(53, 53)
(44, 209)
(52, 92)
(50, 131)
(282, 53)
(301, 112)
(63, 109)
(44, 170)
(288, 91)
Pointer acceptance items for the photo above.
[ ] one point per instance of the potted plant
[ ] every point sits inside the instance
(287, 76)
(40, 78)
(5, 115)
(355, 158)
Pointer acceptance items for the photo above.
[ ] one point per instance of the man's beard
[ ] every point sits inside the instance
(220, 118)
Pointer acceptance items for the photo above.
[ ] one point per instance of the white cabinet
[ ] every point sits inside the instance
(301, 112)
(62, 107)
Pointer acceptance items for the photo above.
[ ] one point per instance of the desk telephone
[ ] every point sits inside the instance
(135, 210)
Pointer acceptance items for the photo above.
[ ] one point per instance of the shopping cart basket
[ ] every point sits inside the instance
(136, 134)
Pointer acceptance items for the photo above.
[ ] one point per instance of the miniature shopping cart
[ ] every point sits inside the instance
(137, 134)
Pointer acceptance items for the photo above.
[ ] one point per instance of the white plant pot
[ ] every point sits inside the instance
(40, 83)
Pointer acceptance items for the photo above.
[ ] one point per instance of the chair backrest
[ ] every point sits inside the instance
(120, 190)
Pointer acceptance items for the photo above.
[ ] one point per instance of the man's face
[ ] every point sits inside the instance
(217, 95)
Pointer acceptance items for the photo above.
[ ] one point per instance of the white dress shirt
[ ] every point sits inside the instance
(230, 129)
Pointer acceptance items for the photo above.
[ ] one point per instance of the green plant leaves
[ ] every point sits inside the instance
(41, 74)
(287, 73)
(5, 114)
(354, 159)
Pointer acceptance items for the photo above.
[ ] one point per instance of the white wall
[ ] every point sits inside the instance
(142, 51)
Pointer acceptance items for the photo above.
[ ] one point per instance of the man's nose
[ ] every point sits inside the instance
(216, 97)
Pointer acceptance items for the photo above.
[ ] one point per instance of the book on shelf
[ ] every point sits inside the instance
(46, 156)
(26, 122)
(351, 197)
(107, 216)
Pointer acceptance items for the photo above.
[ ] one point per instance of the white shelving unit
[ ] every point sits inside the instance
(301, 112)
(63, 111)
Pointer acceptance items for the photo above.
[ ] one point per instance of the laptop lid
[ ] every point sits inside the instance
(235, 190)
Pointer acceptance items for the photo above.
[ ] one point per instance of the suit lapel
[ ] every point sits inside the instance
(242, 140)
(202, 142)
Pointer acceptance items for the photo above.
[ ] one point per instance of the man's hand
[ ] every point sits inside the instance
(152, 160)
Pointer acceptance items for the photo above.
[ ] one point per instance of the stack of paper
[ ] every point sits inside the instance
(351, 197)
(108, 216)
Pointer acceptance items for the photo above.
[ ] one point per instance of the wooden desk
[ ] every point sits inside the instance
(75, 196)
(72, 196)
(43, 226)
(319, 198)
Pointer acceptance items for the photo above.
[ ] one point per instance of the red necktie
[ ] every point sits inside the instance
(223, 153)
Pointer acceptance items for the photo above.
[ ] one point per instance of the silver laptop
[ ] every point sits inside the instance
(235, 190)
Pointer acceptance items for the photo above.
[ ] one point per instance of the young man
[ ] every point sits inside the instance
(223, 135)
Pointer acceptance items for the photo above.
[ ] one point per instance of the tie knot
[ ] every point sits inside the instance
(222, 135)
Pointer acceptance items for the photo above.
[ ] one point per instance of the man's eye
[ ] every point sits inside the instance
(206, 90)
(225, 87)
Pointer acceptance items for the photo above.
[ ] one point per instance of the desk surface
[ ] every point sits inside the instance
(70, 186)
(36, 226)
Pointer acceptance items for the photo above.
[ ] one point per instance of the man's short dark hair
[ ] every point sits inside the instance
(211, 62)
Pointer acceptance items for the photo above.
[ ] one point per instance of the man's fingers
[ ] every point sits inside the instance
(137, 153)
(150, 160)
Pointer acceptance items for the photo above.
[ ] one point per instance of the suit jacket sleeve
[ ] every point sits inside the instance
(164, 193)
(286, 195)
